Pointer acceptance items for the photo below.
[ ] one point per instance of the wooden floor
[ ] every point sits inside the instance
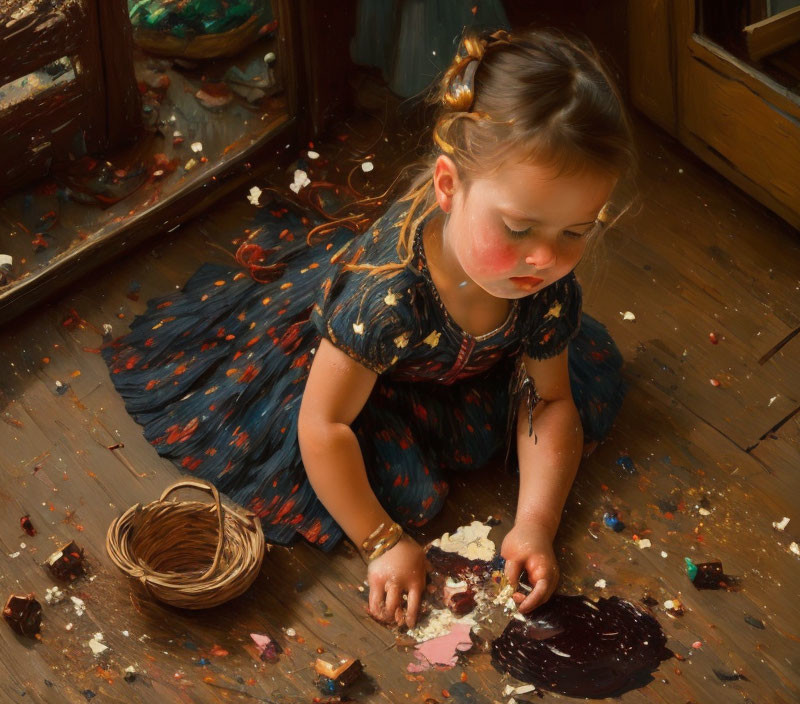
(697, 257)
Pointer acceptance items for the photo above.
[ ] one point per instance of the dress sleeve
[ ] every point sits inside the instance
(553, 318)
(360, 314)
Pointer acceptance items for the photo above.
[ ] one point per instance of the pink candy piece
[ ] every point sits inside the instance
(442, 651)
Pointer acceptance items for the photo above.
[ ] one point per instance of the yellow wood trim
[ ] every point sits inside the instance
(773, 33)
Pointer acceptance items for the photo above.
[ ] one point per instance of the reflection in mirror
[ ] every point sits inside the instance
(209, 77)
(36, 82)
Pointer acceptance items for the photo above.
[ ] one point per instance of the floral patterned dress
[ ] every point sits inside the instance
(215, 373)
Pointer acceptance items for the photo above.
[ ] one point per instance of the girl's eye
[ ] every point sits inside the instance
(575, 235)
(517, 234)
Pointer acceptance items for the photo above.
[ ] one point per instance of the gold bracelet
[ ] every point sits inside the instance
(383, 538)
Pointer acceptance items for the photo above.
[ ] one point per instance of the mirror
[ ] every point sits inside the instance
(173, 99)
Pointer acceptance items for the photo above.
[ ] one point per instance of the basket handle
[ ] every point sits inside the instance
(211, 489)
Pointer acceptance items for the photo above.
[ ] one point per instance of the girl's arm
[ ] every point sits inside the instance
(548, 462)
(336, 391)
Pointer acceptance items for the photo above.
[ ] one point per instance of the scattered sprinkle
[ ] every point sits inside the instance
(301, 180)
(627, 315)
(54, 595)
(367, 166)
(197, 147)
(714, 382)
(773, 399)
(712, 336)
(312, 154)
(697, 645)
(795, 548)
(291, 632)
(703, 511)
(79, 605)
(780, 525)
(626, 463)
(600, 584)
(663, 553)
(754, 622)
(612, 521)
(644, 543)
(96, 645)
(254, 195)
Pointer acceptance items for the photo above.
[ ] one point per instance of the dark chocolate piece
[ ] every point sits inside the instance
(66, 564)
(580, 648)
(452, 564)
(337, 678)
(23, 614)
(711, 576)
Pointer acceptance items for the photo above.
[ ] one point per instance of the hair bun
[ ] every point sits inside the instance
(459, 79)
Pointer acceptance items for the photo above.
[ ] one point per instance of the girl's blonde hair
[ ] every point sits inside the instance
(531, 95)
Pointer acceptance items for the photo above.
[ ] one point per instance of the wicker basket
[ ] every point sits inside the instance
(204, 46)
(189, 554)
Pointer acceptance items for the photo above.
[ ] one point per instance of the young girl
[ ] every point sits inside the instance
(331, 385)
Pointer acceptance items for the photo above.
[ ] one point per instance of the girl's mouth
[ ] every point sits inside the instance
(526, 283)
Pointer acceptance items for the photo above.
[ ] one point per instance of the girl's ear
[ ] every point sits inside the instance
(445, 182)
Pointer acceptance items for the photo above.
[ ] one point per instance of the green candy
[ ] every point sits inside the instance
(691, 568)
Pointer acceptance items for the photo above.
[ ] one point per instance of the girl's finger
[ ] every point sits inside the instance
(412, 607)
(536, 597)
(513, 571)
(393, 600)
(376, 594)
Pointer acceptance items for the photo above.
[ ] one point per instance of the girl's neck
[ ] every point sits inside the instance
(440, 259)
(473, 309)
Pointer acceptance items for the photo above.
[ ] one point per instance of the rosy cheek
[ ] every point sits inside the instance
(493, 256)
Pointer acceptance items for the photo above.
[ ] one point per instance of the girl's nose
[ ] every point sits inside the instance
(543, 257)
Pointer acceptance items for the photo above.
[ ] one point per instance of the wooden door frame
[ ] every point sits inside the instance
(739, 121)
(695, 52)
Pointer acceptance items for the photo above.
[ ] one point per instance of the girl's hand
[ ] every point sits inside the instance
(398, 571)
(528, 546)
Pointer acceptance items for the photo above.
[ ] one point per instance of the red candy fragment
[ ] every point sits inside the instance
(27, 526)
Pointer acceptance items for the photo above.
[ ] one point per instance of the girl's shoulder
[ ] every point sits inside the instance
(379, 244)
(366, 306)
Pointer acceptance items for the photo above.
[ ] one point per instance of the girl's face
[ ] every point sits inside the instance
(522, 229)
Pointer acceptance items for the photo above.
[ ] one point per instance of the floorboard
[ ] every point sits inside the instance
(698, 257)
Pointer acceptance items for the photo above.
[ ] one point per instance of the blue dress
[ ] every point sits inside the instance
(215, 372)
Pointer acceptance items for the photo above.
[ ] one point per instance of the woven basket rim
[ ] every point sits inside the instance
(223, 580)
